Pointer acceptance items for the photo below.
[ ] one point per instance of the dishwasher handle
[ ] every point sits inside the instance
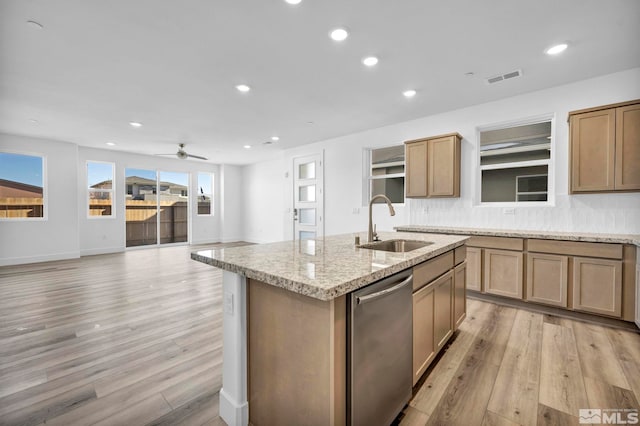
(369, 297)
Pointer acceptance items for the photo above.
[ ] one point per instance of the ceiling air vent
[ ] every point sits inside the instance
(507, 76)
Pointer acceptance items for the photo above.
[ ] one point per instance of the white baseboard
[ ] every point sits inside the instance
(232, 413)
(42, 258)
(104, 250)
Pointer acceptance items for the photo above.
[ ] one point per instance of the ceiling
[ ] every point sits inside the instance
(173, 65)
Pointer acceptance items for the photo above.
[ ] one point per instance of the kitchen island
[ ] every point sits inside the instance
(285, 313)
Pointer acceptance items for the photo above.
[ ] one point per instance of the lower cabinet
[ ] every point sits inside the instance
(439, 306)
(442, 304)
(474, 268)
(459, 295)
(597, 286)
(503, 272)
(547, 278)
(424, 348)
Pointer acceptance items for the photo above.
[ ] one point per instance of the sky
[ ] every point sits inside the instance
(21, 168)
(99, 172)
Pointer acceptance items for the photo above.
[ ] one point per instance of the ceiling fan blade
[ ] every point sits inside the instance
(172, 154)
(197, 156)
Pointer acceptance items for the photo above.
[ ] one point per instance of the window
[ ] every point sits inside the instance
(514, 163)
(386, 173)
(100, 188)
(22, 194)
(205, 193)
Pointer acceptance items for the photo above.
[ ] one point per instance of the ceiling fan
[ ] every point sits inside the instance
(182, 154)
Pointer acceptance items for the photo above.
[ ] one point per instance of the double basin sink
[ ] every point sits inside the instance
(396, 246)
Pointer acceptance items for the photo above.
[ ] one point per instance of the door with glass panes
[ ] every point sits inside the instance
(308, 197)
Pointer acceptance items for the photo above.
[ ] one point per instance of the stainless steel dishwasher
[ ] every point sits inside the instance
(380, 350)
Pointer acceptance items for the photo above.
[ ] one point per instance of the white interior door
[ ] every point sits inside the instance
(308, 197)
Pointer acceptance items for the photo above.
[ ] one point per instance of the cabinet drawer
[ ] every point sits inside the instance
(576, 248)
(503, 243)
(433, 268)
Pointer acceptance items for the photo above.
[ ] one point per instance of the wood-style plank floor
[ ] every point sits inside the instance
(508, 366)
(122, 339)
(135, 338)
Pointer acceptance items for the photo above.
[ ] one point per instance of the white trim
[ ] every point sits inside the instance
(41, 258)
(111, 191)
(45, 189)
(104, 250)
(550, 162)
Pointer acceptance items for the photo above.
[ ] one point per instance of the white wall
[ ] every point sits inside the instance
(68, 232)
(56, 237)
(601, 213)
(232, 215)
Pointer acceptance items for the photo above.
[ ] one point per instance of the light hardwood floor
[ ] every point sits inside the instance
(130, 338)
(135, 338)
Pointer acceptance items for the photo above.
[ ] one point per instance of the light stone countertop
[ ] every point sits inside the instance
(546, 235)
(324, 268)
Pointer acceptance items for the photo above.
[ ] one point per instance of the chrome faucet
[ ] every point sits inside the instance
(373, 236)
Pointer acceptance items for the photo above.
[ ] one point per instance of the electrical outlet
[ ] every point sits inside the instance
(228, 303)
(356, 210)
(509, 211)
(425, 210)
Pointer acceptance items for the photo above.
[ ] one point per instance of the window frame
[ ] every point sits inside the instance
(45, 189)
(198, 194)
(550, 162)
(110, 191)
(368, 177)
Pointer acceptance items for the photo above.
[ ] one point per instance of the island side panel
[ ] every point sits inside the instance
(296, 357)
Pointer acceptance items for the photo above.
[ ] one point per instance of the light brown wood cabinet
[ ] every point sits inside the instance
(459, 295)
(438, 300)
(424, 349)
(433, 167)
(605, 148)
(597, 286)
(474, 268)
(503, 273)
(547, 279)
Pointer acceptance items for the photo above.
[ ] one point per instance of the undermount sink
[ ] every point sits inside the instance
(396, 246)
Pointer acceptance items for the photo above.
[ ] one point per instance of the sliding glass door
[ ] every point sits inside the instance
(157, 210)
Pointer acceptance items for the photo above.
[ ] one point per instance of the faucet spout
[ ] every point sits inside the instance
(372, 235)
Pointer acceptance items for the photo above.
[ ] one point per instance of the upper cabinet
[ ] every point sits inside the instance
(433, 166)
(605, 148)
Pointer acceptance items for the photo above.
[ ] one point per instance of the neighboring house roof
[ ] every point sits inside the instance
(12, 189)
(137, 180)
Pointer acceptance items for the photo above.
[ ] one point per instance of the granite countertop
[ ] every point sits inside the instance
(324, 268)
(547, 235)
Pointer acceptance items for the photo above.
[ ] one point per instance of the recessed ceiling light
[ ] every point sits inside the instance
(275, 138)
(339, 34)
(247, 146)
(111, 143)
(293, 1)
(135, 124)
(243, 88)
(409, 93)
(370, 61)
(469, 74)
(558, 48)
(34, 24)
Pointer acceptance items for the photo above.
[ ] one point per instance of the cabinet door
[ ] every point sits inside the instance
(443, 158)
(627, 176)
(459, 295)
(597, 286)
(442, 308)
(416, 169)
(503, 273)
(423, 342)
(547, 279)
(474, 268)
(592, 151)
